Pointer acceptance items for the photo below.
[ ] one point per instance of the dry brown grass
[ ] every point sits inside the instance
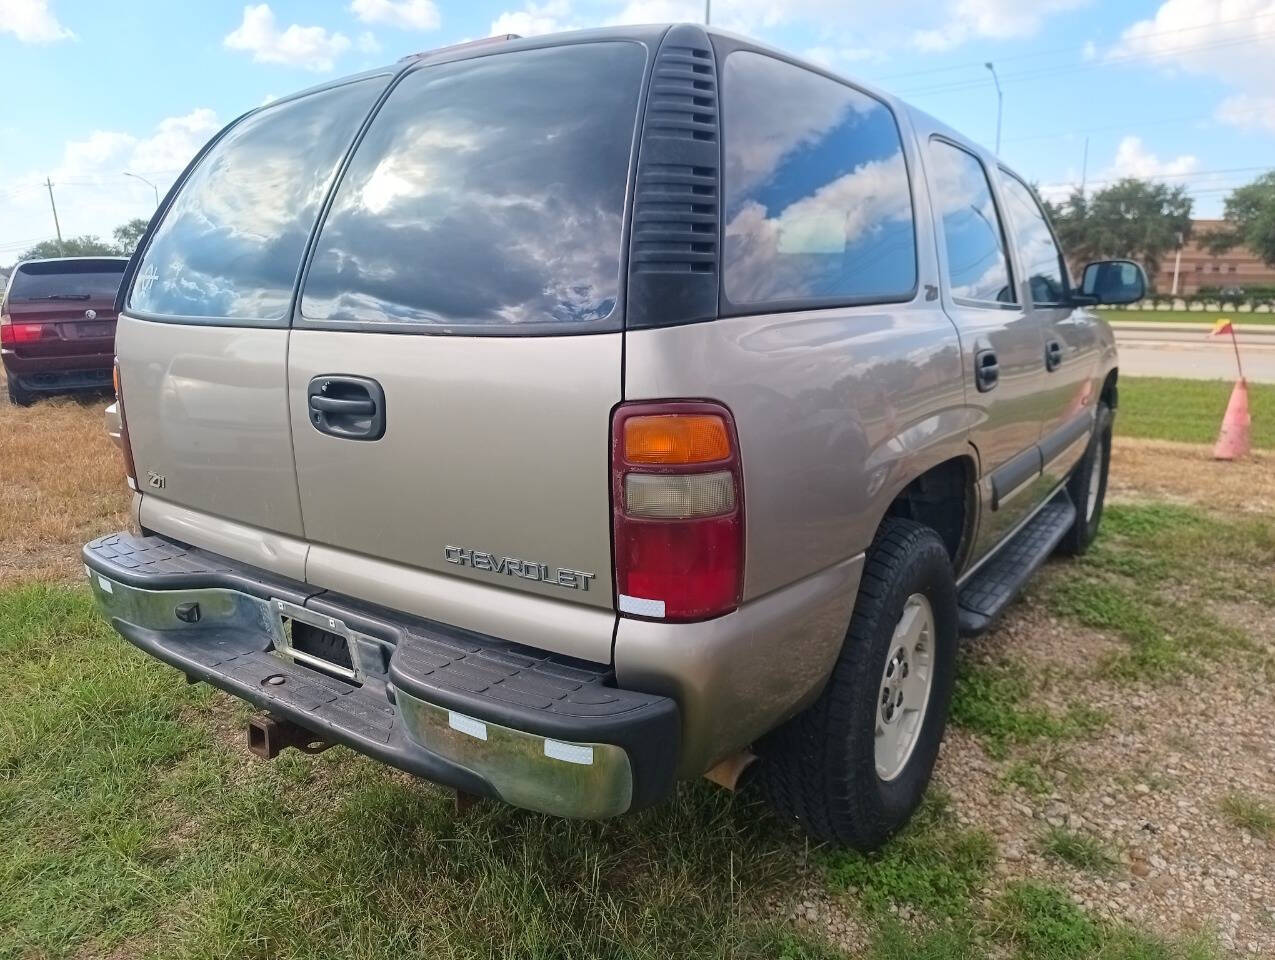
(1186, 472)
(61, 483)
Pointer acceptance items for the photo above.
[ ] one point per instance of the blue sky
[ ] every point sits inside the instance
(1181, 90)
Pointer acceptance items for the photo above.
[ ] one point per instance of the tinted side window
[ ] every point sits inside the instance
(1036, 247)
(230, 245)
(487, 192)
(977, 267)
(818, 206)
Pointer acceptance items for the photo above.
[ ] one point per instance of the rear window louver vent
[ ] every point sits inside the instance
(673, 256)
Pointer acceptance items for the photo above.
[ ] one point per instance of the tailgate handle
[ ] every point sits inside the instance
(338, 405)
(351, 408)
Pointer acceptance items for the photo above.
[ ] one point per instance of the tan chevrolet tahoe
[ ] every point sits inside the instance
(560, 418)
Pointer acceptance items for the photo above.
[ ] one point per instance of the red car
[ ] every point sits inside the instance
(57, 325)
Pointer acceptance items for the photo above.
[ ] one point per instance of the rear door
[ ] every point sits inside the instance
(203, 340)
(1000, 337)
(457, 348)
(1071, 348)
(64, 308)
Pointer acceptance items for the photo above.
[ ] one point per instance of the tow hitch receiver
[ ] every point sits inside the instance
(268, 736)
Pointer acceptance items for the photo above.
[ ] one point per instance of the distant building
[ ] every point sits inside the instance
(1237, 267)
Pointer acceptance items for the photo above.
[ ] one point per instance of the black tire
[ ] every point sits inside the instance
(820, 767)
(1082, 533)
(18, 396)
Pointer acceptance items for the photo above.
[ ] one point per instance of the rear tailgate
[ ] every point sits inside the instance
(203, 342)
(468, 276)
(63, 308)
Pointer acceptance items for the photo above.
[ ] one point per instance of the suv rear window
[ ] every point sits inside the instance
(70, 279)
(230, 245)
(818, 207)
(487, 194)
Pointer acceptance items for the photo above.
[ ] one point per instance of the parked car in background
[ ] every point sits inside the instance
(560, 418)
(57, 325)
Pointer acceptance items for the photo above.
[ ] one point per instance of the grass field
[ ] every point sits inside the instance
(1189, 411)
(134, 823)
(1187, 316)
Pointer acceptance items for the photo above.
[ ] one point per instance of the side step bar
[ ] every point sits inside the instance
(1002, 576)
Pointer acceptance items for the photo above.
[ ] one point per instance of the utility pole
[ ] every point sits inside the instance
(148, 183)
(56, 226)
(708, 12)
(1000, 103)
(1084, 168)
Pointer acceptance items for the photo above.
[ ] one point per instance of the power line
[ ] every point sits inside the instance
(1061, 69)
(1186, 175)
(1036, 55)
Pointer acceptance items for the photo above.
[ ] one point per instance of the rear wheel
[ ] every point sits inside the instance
(18, 396)
(854, 766)
(1088, 486)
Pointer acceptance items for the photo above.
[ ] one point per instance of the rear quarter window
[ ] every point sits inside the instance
(487, 196)
(230, 245)
(818, 204)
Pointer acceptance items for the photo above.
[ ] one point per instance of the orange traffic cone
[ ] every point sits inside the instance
(1233, 440)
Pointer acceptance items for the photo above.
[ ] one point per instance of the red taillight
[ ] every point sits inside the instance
(678, 505)
(126, 447)
(11, 333)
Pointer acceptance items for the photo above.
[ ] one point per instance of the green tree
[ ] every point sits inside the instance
(82, 246)
(1131, 219)
(128, 234)
(1249, 220)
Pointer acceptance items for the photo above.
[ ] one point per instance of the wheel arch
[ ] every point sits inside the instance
(944, 497)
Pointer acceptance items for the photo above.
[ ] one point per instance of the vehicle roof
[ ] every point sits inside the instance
(94, 256)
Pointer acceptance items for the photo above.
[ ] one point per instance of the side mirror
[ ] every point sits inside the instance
(1113, 282)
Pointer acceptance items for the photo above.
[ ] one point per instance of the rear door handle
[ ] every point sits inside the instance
(351, 408)
(1053, 355)
(987, 370)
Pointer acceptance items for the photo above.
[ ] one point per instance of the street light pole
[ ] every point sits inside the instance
(1000, 103)
(708, 12)
(148, 183)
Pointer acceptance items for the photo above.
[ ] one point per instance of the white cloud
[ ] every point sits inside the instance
(92, 193)
(1230, 40)
(534, 19)
(367, 42)
(1248, 111)
(31, 21)
(312, 48)
(1135, 160)
(404, 14)
(966, 20)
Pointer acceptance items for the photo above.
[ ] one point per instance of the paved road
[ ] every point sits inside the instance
(1160, 352)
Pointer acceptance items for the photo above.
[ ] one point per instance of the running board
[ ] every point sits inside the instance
(1003, 575)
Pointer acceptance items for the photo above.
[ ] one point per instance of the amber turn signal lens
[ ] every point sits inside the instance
(676, 438)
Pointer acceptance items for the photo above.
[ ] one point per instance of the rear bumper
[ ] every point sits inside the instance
(539, 731)
(56, 372)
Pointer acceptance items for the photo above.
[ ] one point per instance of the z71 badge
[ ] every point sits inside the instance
(513, 567)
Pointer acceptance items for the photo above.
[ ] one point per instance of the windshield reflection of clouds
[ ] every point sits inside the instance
(486, 191)
(817, 198)
(976, 262)
(231, 244)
